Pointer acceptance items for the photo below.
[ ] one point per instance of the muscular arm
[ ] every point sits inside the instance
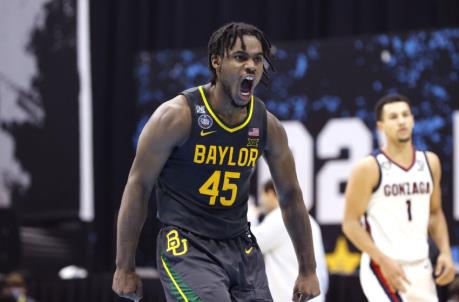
(294, 213)
(168, 127)
(438, 229)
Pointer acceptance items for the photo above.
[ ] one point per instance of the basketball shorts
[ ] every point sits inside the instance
(196, 268)
(419, 273)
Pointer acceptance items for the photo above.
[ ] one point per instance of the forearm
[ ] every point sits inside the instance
(361, 239)
(131, 217)
(296, 220)
(439, 231)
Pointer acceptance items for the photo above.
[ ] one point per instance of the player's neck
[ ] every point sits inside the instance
(222, 105)
(400, 152)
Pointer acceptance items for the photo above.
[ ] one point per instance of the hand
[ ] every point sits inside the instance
(394, 274)
(444, 270)
(306, 287)
(127, 284)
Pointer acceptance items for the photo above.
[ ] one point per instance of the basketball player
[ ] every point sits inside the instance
(397, 189)
(199, 150)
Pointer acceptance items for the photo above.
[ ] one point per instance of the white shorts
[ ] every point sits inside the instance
(419, 273)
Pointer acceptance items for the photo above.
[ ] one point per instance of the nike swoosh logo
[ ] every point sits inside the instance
(248, 251)
(203, 133)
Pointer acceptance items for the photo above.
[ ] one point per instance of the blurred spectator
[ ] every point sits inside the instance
(15, 289)
(277, 248)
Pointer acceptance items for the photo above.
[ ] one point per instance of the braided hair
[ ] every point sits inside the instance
(224, 38)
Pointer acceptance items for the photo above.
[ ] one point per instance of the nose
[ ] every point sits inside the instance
(250, 69)
(402, 120)
(250, 66)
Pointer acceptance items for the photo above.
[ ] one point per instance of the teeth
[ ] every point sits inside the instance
(250, 78)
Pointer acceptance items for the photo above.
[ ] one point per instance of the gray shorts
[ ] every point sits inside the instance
(196, 268)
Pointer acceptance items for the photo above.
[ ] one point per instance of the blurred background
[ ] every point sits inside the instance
(79, 79)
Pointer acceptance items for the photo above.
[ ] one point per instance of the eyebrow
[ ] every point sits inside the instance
(245, 52)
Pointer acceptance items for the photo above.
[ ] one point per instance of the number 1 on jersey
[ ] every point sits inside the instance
(211, 185)
(408, 208)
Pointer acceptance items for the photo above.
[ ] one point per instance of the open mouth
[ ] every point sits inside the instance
(246, 85)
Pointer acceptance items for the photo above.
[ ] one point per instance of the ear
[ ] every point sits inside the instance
(216, 62)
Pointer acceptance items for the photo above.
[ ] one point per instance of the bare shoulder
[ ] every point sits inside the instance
(170, 121)
(272, 121)
(434, 164)
(367, 164)
(174, 111)
(366, 170)
(277, 137)
(433, 159)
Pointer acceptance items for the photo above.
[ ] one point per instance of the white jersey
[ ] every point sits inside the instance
(398, 212)
(280, 260)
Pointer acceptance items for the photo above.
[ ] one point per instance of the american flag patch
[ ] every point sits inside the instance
(254, 132)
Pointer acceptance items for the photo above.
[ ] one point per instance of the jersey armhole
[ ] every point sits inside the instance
(190, 103)
(428, 166)
(376, 187)
(264, 126)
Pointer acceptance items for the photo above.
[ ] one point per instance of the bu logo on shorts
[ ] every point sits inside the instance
(174, 244)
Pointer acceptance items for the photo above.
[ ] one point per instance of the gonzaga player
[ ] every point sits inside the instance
(397, 190)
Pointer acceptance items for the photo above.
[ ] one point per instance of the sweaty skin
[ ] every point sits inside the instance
(169, 128)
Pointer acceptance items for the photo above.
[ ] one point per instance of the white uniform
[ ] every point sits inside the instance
(280, 259)
(397, 219)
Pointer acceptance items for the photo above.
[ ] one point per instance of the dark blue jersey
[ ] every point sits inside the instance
(204, 185)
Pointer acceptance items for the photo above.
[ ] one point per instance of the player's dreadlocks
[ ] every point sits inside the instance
(224, 38)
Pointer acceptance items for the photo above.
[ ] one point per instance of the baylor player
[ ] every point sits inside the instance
(200, 150)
